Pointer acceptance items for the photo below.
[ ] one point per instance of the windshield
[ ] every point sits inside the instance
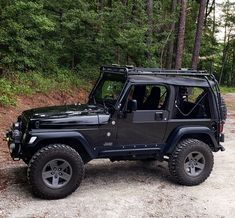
(108, 89)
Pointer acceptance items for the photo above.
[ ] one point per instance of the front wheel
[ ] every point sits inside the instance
(191, 162)
(55, 171)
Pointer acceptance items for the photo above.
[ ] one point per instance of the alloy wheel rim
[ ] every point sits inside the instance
(194, 163)
(56, 173)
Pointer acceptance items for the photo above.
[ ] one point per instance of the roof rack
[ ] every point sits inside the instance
(130, 70)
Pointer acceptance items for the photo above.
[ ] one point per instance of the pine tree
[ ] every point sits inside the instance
(181, 34)
(198, 35)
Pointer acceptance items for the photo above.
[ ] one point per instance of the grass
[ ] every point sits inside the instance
(27, 84)
(225, 89)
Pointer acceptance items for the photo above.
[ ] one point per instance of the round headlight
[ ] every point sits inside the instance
(16, 133)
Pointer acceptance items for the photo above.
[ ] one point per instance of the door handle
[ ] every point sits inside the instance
(158, 116)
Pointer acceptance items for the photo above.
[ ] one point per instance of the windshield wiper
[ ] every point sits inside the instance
(105, 107)
(94, 100)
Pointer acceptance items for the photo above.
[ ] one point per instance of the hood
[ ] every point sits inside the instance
(65, 116)
(63, 111)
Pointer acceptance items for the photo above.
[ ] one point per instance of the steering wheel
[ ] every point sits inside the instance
(109, 97)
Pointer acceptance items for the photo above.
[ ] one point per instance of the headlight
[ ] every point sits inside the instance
(16, 125)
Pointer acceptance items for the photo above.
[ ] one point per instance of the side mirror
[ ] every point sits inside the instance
(133, 104)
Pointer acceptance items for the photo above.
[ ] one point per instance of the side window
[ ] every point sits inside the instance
(192, 103)
(149, 97)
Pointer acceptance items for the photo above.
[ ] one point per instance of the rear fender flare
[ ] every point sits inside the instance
(180, 132)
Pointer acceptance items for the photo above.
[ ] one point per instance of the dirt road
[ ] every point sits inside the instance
(128, 189)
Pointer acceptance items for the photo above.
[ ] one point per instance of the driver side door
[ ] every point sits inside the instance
(147, 124)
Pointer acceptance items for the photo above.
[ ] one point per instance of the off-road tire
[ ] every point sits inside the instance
(177, 159)
(49, 153)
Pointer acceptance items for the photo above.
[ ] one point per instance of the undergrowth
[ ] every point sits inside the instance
(16, 84)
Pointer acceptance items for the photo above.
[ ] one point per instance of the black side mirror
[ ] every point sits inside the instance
(133, 104)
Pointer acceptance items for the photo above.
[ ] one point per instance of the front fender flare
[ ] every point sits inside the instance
(57, 135)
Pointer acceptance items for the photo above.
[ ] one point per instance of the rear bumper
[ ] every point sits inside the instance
(221, 138)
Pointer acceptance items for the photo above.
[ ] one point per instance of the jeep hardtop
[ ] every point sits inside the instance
(132, 114)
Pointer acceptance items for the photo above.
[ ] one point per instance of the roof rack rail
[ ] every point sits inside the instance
(130, 70)
(113, 69)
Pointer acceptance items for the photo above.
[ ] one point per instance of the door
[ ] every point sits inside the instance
(146, 125)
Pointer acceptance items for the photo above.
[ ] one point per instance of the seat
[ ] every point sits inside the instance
(138, 95)
(153, 99)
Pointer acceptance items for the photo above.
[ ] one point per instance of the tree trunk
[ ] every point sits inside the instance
(61, 13)
(125, 2)
(225, 51)
(118, 54)
(110, 3)
(171, 43)
(198, 36)
(233, 67)
(208, 10)
(213, 28)
(101, 5)
(181, 33)
(150, 29)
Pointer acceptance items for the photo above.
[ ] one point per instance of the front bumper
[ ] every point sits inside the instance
(13, 138)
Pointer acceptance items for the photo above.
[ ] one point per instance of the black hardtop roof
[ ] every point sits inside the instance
(183, 77)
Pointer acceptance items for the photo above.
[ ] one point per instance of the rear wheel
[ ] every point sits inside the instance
(55, 171)
(191, 162)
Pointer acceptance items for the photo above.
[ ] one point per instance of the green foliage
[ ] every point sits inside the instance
(47, 36)
(225, 89)
(7, 92)
(66, 40)
(23, 26)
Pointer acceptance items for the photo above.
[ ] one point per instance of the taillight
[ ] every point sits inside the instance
(221, 127)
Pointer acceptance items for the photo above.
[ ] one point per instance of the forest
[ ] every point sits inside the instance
(47, 45)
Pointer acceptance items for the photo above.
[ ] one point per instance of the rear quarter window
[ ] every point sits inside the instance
(192, 103)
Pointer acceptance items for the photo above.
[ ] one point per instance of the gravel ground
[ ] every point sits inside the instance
(129, 189)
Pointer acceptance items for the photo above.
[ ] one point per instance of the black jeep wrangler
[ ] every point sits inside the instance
(132, 114)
